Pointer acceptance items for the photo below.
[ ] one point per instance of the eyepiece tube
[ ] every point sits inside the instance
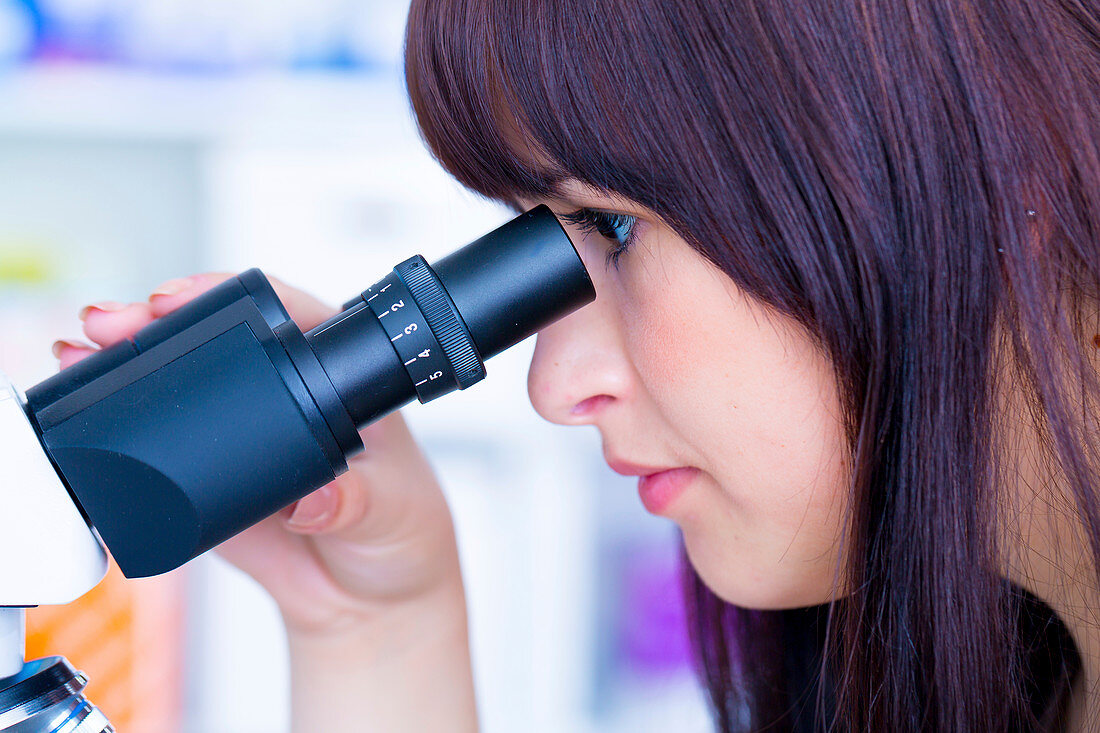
(514, 280)
(443, 321)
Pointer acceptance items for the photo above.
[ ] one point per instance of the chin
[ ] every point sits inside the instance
(736, 577)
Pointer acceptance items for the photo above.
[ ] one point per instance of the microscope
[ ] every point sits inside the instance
(223, 412)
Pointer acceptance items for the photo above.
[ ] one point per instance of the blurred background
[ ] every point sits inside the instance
(146, 140)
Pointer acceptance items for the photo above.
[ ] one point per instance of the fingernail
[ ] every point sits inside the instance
(314, 510)
(173, 286)
(106, 306)
(62, 343)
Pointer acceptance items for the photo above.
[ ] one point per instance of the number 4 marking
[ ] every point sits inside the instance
(425, 353)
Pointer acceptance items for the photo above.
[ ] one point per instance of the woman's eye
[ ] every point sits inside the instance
(619, 228)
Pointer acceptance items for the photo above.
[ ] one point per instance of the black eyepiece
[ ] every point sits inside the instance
(444, 320)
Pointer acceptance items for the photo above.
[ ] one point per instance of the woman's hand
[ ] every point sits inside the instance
(371, 545)
(365, 570)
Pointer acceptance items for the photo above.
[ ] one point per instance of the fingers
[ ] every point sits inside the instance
(70, 352)
(314, 512)
(306, 310)
(171, 295)
(108, 322)
(372, 498)
(329, 509)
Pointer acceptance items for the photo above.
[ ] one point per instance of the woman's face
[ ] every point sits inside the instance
(677, 368)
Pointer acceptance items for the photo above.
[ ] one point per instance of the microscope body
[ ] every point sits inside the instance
(149, 434)
(222, 412)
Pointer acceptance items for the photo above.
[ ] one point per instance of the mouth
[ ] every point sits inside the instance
(658, 487)
(625, 468)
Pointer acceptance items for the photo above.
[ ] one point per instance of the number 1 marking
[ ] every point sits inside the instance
(373, 297)
(410, 361)
(385, 288)
(396, 337)
(420, 382)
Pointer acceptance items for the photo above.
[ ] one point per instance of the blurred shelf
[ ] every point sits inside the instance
(115, 102)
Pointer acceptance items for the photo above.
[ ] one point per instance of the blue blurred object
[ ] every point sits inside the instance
(71, 30)
(216, 36)
(19, 30)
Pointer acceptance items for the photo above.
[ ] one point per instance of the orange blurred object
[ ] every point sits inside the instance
(127, 637)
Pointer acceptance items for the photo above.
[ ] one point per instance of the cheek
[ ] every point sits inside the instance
(755, 407)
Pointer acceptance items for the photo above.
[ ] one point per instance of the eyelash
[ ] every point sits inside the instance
(605, 224)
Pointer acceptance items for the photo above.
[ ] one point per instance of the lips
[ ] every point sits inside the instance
(658, 486)
(624, 468)
(659, 490)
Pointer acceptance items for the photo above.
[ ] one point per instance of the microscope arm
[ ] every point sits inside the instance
(50, 554)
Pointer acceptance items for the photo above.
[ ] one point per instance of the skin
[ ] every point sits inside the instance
(1045, 541)
(675, 367)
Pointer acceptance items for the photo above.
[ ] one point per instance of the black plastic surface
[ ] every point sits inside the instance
(515, 280)
(361, 364)
(205, 433)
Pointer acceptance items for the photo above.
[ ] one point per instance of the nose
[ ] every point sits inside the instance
(579, 369)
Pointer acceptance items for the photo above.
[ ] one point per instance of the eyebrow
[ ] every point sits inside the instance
(557, 184)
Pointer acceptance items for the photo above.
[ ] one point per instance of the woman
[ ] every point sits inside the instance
(847, 274)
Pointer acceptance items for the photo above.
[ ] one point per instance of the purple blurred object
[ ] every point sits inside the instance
(653, 633)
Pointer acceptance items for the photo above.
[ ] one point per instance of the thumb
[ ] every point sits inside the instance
(390, 490)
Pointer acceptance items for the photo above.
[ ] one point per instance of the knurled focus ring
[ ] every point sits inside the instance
(443, 320)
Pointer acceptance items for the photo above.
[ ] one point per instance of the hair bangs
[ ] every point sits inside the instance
(514, 98)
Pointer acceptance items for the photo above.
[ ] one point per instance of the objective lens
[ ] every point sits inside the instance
(46, 697)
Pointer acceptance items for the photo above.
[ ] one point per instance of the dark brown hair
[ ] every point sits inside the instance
(917, 185)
